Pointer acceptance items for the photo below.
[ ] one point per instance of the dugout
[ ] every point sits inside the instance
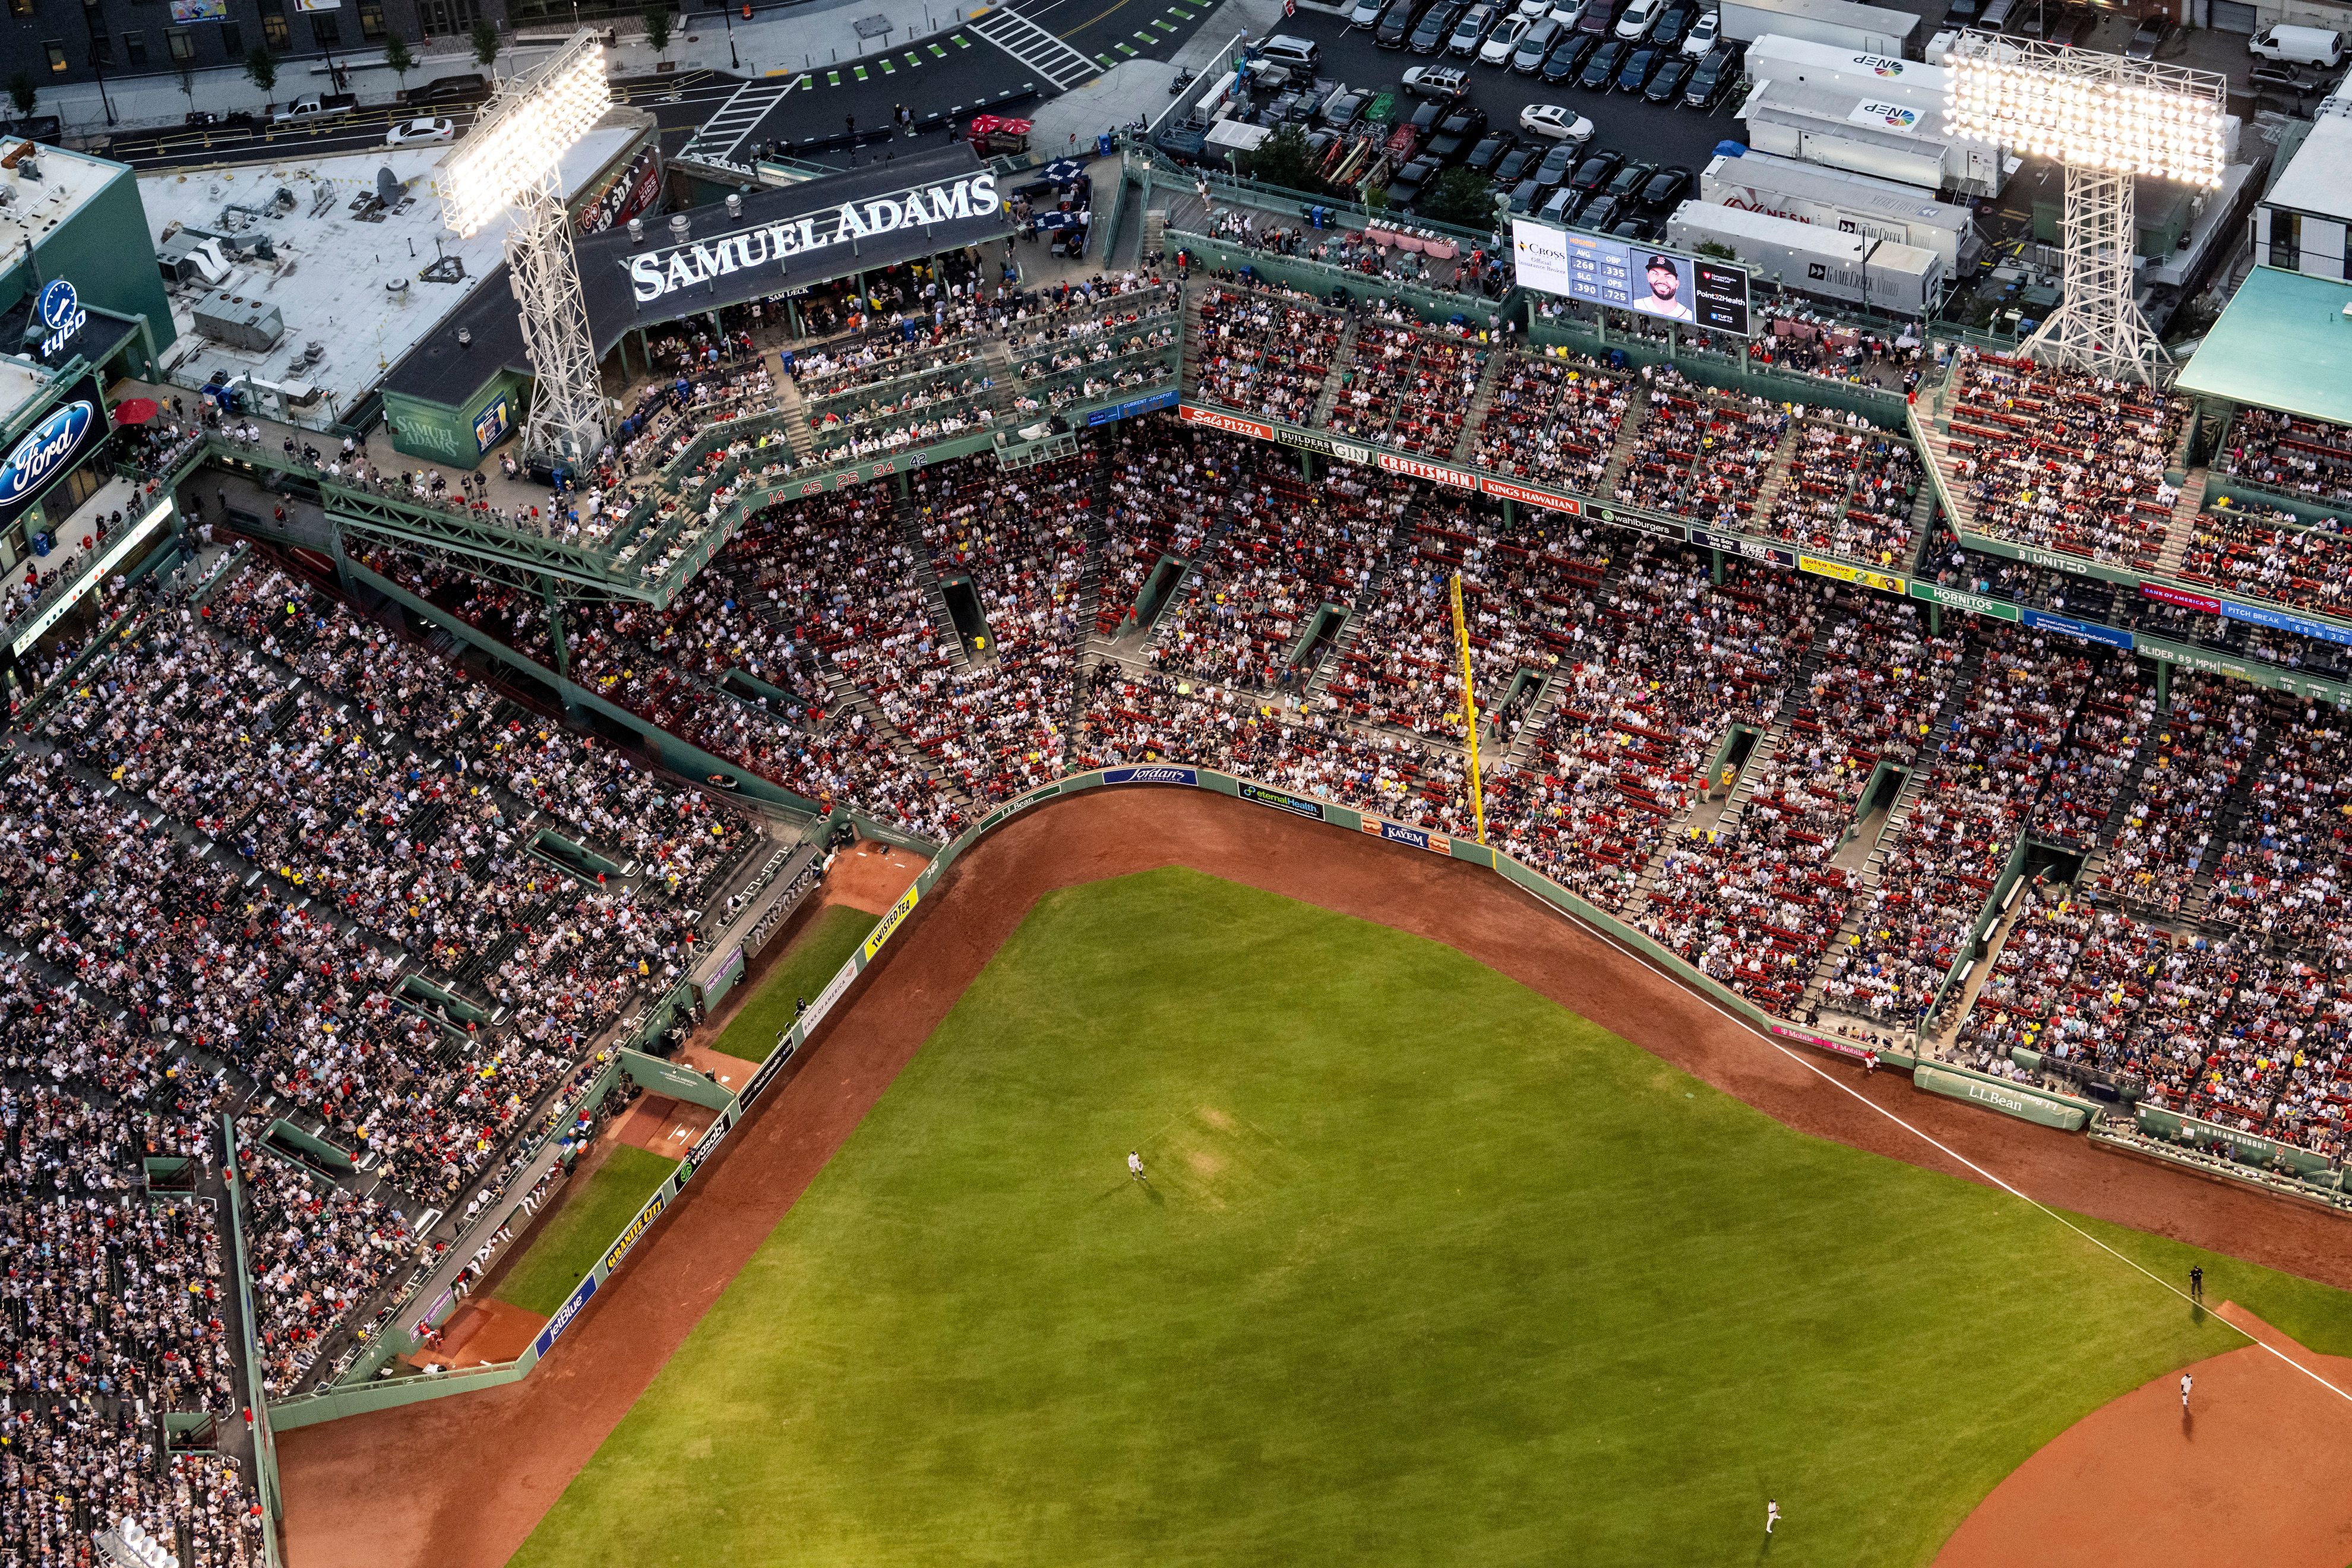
(807, 250)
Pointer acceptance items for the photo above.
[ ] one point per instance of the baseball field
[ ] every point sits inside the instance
(1426, 1268)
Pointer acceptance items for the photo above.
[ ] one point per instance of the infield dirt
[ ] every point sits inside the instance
(462, 1481)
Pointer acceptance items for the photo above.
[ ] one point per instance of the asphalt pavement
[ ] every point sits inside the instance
(678, 102)
(1623, 122)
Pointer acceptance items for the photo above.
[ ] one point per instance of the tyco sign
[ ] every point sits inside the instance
(655, 273)
(62, 317)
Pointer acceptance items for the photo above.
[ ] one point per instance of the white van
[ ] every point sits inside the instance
(2298, 45)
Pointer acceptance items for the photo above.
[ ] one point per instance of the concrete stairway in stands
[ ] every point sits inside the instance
(943, 625)
(1335, 375)
(1497, 366)
(1620, 452)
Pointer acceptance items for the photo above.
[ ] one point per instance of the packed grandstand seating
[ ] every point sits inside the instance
(2267, 553)
(1554, 420)
(234, 843)
(2288, 452)
(2066, 461)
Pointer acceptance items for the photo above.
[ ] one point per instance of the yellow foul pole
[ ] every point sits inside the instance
(1469, 710)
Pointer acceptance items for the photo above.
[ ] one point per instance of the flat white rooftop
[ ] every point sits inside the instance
(21, 381)
(2318, 178)
(37, 204)
(347, 284)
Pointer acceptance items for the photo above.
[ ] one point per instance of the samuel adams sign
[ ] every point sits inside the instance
(653, 273)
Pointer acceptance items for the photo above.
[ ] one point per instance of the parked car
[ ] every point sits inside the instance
(1600, 16)
(1518, 163)
(418, 132)
(1636, 19)
(1714, 76)
(1527, 196)
(1536, 46)
(1504, 42)
(1567, 56)
(1436, 81)
(1559, 163)
(1560, 207)
(1347, 108)
(1471, 28)
(1570, 13)
(1602, 68)
(1555, 123)
(1666, 86)
(1488, 154)
(1424, 118)
(1636, 228)
(1629, 178)
(1368, 12)
(1398, 22)
(1671, 23)
(1963, 13)
(2150, 35)
(2284, 80)
(1635, 74)
(448, 89)
(1407, 184)
(1601, 211)
(1596, 170)
(1666, 188)
(1429, 33)
(1700, 39)
(1457, 133)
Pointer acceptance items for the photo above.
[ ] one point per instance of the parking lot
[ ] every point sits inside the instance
(1624, 124)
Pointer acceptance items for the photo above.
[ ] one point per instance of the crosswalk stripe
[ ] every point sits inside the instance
(1043, 52)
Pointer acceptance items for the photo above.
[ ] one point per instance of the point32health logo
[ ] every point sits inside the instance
(43, 453)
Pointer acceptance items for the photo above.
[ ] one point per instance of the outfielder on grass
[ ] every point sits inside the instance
(1134, 1164)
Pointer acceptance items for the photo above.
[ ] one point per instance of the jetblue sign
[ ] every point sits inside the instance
(655, 273)
(62, 317)
(49, 449)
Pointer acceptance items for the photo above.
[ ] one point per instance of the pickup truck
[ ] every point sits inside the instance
(1437, 81)
(317, 106)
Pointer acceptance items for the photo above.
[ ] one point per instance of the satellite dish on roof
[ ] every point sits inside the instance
(389, 187)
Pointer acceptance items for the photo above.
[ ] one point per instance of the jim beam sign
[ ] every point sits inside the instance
(653, 273)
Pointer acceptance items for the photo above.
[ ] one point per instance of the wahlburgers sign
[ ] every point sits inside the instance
(653, 273)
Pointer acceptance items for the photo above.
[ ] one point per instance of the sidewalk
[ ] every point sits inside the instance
(785, 38)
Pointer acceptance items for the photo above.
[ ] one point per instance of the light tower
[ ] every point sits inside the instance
(511, 158)
(2109, 121)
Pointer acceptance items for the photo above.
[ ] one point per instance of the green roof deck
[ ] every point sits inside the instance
(2284, 343)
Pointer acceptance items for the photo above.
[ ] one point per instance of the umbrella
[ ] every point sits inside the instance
(1057, 220)
(135, 411)
(1063, 170)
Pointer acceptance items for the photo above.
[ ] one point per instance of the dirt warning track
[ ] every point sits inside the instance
(461, 1483)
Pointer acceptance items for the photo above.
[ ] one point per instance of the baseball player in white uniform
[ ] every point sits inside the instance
(1134, 1164)
(2187, 1382)
(1771, 1514)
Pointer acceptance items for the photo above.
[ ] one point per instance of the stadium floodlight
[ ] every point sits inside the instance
(512, 159)
(2110, 121)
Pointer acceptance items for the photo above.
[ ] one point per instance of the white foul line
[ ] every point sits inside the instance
(1814, 1068)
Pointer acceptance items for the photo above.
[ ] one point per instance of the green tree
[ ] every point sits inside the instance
(1461, 196)
(658, 29)
(485, 43)
(262, 66)
(1285, 159)
(396, 56)
(23, 93)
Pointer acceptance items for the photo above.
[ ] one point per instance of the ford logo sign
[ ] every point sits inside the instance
(41, 456)
(58, 302)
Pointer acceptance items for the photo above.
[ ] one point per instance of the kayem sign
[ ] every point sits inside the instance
(653, 273)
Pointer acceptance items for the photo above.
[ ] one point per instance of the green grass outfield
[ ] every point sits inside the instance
(567, 1246)
(815, 956)
(1428, 1270)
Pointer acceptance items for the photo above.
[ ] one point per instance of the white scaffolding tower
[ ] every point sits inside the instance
(2109, 121)
(512, 159)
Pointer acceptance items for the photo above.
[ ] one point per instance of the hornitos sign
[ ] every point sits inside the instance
(653, 273)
